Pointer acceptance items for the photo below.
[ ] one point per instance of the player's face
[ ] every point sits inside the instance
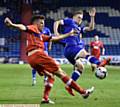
(96, 38)
(41, 24)
(78, 18)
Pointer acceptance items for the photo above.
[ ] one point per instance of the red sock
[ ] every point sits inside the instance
(73, 85)
(48, 86)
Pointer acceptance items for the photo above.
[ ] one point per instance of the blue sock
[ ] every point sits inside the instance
(92, 59)
(33, 74)
(75, 75)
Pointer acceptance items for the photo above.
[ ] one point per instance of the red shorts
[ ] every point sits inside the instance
(97, 55)
(41, 62)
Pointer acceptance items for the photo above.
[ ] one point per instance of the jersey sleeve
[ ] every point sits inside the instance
(32, 29)
(67, 21)
(48, 32)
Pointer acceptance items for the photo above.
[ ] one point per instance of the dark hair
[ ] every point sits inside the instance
(77, 12)
(36, 17)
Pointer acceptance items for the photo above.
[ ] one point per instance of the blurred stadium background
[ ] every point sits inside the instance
(12, 42)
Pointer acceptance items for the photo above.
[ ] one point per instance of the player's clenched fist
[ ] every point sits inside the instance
(8, 22)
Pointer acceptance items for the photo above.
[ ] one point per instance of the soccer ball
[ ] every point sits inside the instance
(101, 72)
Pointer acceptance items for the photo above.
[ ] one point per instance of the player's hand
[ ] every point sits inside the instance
(92, 12)
(8, 22)
(57, 34)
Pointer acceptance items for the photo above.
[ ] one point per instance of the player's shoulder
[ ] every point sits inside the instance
(33, 28)
(47, 31)
(68, 19)
(46, 28)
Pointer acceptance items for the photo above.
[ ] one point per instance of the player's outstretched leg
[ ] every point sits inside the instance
(48, 83)
(105, 62)
(94, 60)
(88, 91)
(72, 84)
(69, 90)
(75, 76)
(33, 77)
(78, 69)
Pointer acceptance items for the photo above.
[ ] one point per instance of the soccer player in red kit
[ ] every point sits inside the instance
(95, 47)
(38, 59)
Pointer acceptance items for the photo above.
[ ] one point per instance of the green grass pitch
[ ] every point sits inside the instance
(15, 88)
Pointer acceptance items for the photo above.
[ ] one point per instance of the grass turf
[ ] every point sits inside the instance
(15, 88)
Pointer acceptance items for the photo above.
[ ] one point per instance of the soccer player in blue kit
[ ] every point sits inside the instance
(73, 51)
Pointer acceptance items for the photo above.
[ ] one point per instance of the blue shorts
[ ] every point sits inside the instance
(70, 53)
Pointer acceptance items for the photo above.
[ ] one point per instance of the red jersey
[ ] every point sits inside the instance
(40, 61)
(95, 48)
(35, 39)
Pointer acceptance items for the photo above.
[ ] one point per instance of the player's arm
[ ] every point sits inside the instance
(49, 45)
(9, 23)
(102, 47)
(103, 51)
(62, 36)
(56, 25)
(91, 26)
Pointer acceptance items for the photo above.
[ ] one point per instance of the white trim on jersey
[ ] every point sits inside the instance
(77, 55)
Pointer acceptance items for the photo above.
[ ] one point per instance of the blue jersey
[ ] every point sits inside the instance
(73, 42)
(82, 43)
(46, 31)
(70, 24)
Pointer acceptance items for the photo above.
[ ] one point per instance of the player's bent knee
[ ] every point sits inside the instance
(60, 73)
(79, 64)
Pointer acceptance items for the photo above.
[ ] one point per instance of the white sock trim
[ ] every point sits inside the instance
(48, 84)
(89, 58)
(34, 78)
(77, 72)
(69, 81)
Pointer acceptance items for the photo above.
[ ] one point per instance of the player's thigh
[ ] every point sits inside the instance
(39, 69)
(79, 65)
(83, 53)
(48, 63)
(60, 73)
(41, 61)
(51, 65)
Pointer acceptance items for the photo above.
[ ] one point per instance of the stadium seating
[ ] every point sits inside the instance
(12, 37)
(107, 27)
